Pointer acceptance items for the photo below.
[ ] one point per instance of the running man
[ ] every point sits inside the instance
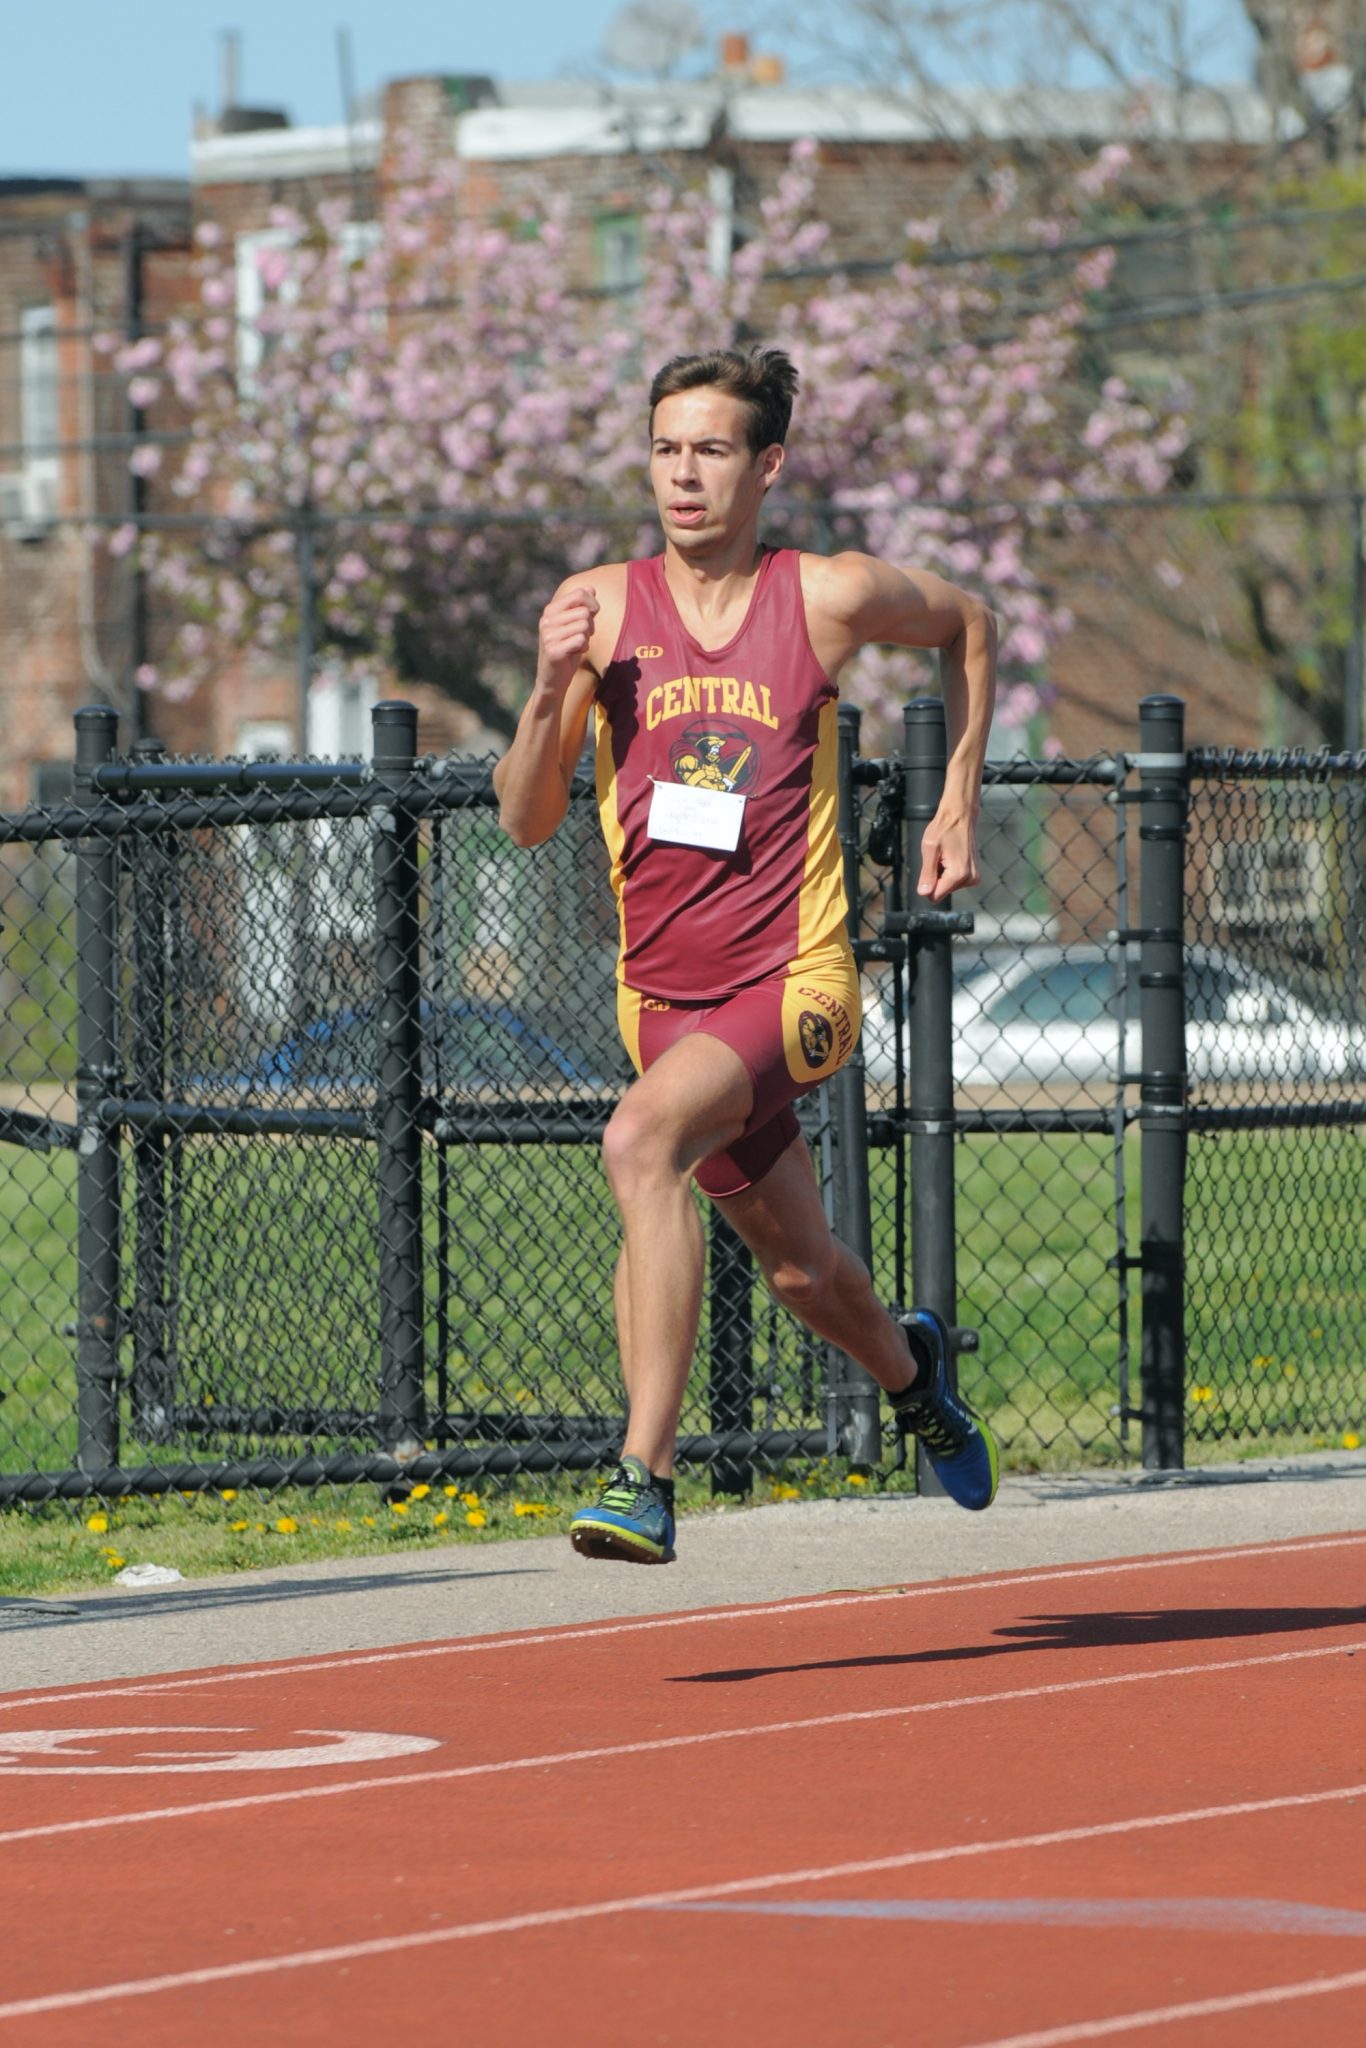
(712, 669)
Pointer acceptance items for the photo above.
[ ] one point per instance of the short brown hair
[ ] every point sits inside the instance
(765, 381)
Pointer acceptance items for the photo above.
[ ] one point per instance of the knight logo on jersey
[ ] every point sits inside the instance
(817, 1038)
(711, 756)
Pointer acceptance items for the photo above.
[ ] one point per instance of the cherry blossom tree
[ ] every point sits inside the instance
(428, 426)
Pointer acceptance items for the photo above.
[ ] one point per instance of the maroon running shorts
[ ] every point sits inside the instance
(792, 1032)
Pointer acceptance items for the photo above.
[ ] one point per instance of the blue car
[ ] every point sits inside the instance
(469, 1047)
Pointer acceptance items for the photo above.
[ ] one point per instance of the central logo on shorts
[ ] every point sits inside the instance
(817, 1037)
(710, 756)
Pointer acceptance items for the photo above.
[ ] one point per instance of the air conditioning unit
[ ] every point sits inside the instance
(1275, 881)
(29, 503)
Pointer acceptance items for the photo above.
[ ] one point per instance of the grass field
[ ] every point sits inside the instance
(279, 1305)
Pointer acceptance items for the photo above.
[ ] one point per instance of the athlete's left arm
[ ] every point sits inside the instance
(855, 601)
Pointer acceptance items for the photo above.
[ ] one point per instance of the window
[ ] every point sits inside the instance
(620, 251)
(39, 425)
(1066, 992)
(355, 239)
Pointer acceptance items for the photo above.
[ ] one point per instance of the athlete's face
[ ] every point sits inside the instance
(708, 483)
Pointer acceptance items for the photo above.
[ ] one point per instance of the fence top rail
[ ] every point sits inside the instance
(1227, 764)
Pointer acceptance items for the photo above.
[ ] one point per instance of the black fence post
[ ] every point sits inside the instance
(934, 1278)
(854, 1422)
(402, 1405)
(98, 1074)
(1162, 1089)
(152, 1389)
(730, 1381)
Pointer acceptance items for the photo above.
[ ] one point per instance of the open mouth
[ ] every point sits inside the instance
(687, 515)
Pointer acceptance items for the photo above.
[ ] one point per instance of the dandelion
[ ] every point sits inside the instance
(367, 1521)
(1202, 1393)
(287, 1525)
(229, 1493)
(237, 1528)
(1260, 1363)
(469, 1500)
(857, 1479)
(476, 1518)
(398, 1507)
(440, 1519)
(97, 1524)
(1289, 1371)
(1350, 1440)
(114, 1561)
(785, 1493)
(344, 1526)
(530, 1507)
(420, 1492)
(450, 1491)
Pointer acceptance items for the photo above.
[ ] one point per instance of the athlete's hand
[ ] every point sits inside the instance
(566, 630)
(948, 855)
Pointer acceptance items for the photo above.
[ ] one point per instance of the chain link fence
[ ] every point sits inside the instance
(303, 1069)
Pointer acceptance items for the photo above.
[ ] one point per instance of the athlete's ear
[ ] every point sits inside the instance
(770, 462)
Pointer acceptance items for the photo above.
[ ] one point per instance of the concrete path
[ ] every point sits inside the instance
(727, 1558)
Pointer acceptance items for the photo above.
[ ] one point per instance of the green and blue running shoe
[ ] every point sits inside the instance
(632, 1519)
(958, 1443)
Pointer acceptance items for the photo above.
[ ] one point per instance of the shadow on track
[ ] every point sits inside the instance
(1127, 1629)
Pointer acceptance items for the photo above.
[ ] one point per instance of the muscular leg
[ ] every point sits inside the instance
(782, 1220)
(693, 1101)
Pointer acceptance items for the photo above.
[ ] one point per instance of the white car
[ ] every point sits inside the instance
(1046, 1018)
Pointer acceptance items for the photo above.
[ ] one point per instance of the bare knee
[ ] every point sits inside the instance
(635, 1147)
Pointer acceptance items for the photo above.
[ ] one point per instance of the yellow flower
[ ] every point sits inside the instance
(344, 1525)
(1202, 1393)
(471, 1500)
(1317, 1330)
(114, 1561)
(420, 1492)
(530, 1507)
(368, 1521)
(450, 1491)
(97, 1524)
(238, 1527)
(857, 1479)
(1350, 1440)
(786, 1493)
(228, 1493)
(287, 1525)
(476, 1518)
(1289, 1371)
(398, 1507)
(437, 1520)
(1260, 1363)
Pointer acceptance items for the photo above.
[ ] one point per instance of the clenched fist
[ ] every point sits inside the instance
(566, 629)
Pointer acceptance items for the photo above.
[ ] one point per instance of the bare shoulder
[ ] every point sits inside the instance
(840, 593)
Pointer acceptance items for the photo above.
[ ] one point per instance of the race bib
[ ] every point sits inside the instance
(688, 816)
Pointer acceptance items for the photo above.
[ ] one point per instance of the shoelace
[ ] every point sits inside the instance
(625, 1494)
(937, 1428)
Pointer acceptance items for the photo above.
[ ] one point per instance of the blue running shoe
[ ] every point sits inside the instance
(632, 1519)
(958, 1443)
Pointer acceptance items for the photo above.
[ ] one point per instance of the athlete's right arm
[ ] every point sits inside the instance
(534, 777)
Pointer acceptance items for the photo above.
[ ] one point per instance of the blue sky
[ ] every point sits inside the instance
(109, 86)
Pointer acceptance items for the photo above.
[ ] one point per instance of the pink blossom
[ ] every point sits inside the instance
(143, 391)
(273, 267)
(352, 568)
(145, 461)
(122, 541)
(145, 676)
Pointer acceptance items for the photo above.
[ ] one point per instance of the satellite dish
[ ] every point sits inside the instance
(652, 35)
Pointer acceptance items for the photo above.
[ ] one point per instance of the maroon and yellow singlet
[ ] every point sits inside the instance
(749, 945)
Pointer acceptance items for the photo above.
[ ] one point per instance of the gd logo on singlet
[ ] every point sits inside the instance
(817, 1038)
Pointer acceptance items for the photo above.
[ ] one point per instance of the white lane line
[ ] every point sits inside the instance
(1163, 2015)
(560, 1916)
(464, 1646)
(399, 1781)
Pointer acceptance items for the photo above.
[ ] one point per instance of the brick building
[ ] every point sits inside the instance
(78, 256)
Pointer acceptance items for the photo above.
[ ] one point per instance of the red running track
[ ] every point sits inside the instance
(1120, 1801)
